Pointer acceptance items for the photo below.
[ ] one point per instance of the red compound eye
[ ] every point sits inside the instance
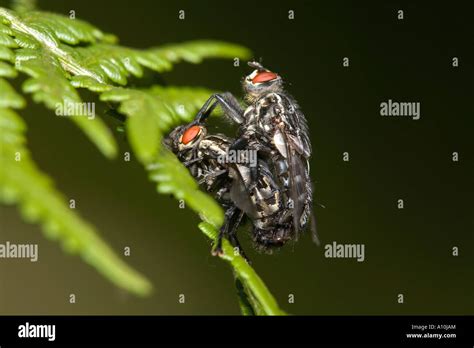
(264, 76)
(190, 134)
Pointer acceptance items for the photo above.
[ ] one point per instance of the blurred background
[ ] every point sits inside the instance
(407, 251)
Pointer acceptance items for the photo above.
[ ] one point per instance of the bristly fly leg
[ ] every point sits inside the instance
(192, 161)
(229, 104)
(233, 235)
(229, 219)
(212, 175)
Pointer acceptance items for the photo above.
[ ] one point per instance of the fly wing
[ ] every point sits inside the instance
(298, 180)
(239, 191)
(296, 125)
(292, 141)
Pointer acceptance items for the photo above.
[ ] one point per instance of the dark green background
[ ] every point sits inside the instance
(407, 251)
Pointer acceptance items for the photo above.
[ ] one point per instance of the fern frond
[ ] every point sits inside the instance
(7, 70)
(6, 54)
(47, 44)
(65, 29)
(153, 112)
(49, 85)
(195, 51)
(23, 184)
(10, 99)
(261, 299)
(38, 35)
(60, 54)
(113, 63)
(5, 39)
(102, 60)
(173, 178)
(147, 116)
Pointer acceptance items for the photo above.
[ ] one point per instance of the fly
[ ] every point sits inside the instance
(274, 125)
(261, 202)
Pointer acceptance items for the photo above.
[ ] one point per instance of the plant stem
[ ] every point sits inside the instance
(245, 273)
(244, 301)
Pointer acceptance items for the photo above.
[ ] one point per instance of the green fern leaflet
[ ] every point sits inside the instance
(60, 55)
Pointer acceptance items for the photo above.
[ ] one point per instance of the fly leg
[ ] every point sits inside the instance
(233, 219)
(192, 161)
(224, 230)
(233, 235)
(212, 175)
(229, 104)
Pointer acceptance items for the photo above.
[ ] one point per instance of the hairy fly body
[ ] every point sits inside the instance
(260, 201)
(273, 125)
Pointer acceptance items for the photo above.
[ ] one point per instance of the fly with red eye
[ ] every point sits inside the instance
(227, 181)
(264, 76)
(190, 134)
(274, 125)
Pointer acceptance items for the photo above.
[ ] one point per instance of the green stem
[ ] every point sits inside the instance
(244, 301)
(246, 274)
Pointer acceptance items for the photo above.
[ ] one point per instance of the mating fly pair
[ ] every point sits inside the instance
(276, 193)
